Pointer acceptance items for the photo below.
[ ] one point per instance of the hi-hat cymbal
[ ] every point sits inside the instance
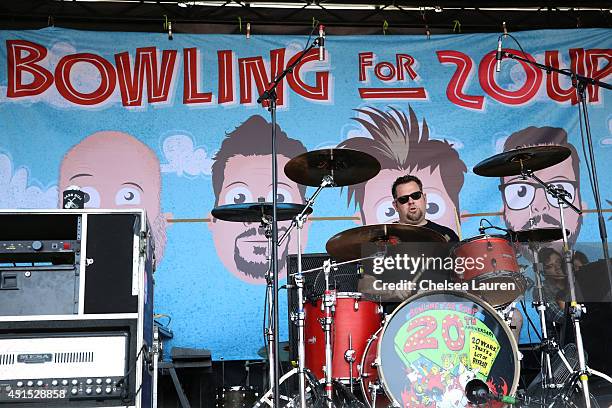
(349, 245)
(532, 158)
(538, 235)
(253, 212)
(345, 166)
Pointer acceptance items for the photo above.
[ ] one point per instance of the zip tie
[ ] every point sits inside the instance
(456, 26)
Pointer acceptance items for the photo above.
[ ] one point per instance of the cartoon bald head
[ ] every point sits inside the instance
(116, 170)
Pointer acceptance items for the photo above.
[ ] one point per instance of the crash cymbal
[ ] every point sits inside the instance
(349, 245)
(532, 158)
(346, 166)
(252, 212)
(283, 351)
(537, 235)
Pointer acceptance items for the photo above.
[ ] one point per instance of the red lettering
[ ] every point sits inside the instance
(533, 80)
(365, 60)
(553, 80)
(420, 339)
(318, 92)
(253, 69)
(380, 68)
(68, 91)
(226, 76)
(454, 90)
(405, 62)
(191, 60)
(593, 57)
(158, 84)
(19, 63)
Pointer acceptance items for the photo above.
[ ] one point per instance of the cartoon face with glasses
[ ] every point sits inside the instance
(526, 204)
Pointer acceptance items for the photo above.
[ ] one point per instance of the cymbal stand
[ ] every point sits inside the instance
(329, 300)
(300, 316)
(540, 305)
(576, 310)
(270, 95)
(266, 224)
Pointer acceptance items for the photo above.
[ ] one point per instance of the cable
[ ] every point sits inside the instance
(124, 392)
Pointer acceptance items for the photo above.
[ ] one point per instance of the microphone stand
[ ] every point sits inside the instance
(580, 82)
(271, 96)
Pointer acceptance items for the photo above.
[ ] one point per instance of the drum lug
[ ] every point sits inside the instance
(349, 355)
(356, 305)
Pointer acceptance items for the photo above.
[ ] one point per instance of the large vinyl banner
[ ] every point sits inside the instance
(173, 126)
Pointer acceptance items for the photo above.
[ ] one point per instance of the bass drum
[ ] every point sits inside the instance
(436, 342)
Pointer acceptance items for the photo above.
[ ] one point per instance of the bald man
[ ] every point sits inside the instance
(116, 170)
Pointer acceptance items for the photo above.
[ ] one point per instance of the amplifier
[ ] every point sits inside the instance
(76, 309)
(58, 366)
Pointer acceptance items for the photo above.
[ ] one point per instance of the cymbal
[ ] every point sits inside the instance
(532, 158)
(538, 235)
(283, 351)
(253, 212)
(346, 166)
(348, 245)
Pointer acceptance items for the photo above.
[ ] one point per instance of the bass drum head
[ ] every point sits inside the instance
(435, 342)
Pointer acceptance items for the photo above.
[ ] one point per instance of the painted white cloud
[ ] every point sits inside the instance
(499, 143)
(17, 192)
(183, 158)
(607, 142)
(456, 143)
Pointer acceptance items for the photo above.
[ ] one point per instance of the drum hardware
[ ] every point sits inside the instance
(575, 309)
(349, 356)
(524, 162)
(268, 99)
(322, 168)
(253, 212)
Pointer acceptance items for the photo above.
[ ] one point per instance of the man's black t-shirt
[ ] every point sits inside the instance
(446, 232)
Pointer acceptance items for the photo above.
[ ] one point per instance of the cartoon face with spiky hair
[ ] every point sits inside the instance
(396, 141)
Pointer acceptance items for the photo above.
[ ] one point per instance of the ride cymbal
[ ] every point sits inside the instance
(512, 162)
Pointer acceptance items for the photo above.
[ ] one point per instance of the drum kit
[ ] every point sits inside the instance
(440, 348)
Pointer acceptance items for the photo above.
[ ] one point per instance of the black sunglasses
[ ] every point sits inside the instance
(415, 196)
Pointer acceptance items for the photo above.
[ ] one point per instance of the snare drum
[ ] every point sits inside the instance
(495, 276)
(436, 342)
(355, 319)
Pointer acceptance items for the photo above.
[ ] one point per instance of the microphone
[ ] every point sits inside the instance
(498, 54)
(321, 42)
(477, 392)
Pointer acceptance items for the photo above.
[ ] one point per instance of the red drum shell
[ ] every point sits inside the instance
(500, 266)
(355, 317)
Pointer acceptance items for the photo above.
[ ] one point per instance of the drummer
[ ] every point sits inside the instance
(410, 203)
